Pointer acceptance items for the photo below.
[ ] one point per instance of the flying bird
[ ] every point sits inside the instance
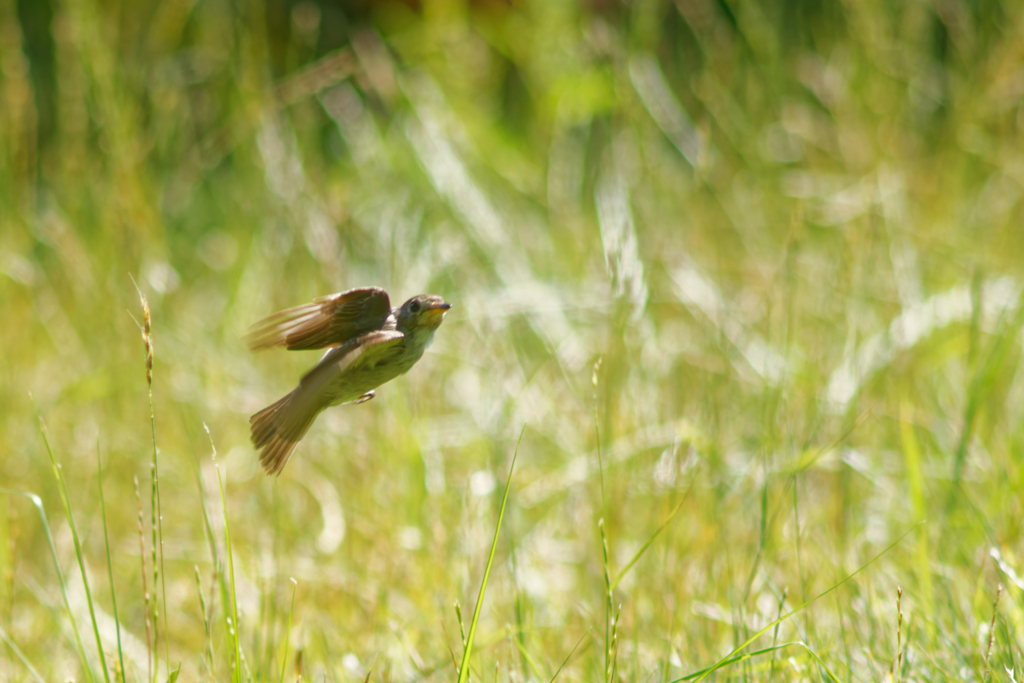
(369, 343)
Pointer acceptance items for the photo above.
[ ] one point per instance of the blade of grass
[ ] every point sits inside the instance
(526, 657)
(145, 591)
(288, 633)
(799, 552)
(809, 458)
(607, 604)
(763, 539)
(749, 655)
(231, 563)
(37, 501)
(915, 479)
(614, 647)
(21, 655)
(597, 429)
(462, 629)
(646, 545)
(206, 619)
(110, 570)
(567, 658)
(728, 658)
(775, 633)
(66, 501)
(600, 524)
(218, 568)
(464, 668)
(153, 495)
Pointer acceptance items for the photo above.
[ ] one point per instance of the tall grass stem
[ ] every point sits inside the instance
(464, 668)
(110, 569)
(231, 563)
(66, 500)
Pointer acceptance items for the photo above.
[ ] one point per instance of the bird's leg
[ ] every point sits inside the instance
(364, 398)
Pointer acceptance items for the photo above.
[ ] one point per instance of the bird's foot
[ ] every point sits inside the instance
(364, 398)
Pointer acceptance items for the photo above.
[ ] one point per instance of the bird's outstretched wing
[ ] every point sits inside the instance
(369, 349)
(330, 320)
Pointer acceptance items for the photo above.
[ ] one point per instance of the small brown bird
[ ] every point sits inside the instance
(369, 344)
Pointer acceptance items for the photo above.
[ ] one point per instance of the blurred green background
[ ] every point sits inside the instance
(788, 232)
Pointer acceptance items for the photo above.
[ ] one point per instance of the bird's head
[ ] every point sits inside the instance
(422, 313)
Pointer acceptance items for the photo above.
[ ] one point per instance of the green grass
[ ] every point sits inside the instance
(745, 276)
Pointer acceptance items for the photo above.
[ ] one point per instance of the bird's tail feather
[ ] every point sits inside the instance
(278, 428)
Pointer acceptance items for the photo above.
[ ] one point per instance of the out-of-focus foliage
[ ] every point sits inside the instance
(764, 219)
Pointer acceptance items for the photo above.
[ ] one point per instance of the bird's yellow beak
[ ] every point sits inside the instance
(439, 310)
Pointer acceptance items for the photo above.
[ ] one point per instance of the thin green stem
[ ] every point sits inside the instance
(66, 501)
(21, 655)
(38, 502)
(607, 606)
(464, 668)
(231, 563)
(110, 570)
(288, 633)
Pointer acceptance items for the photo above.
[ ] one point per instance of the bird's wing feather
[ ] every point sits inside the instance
(329, 320)
(369, 348)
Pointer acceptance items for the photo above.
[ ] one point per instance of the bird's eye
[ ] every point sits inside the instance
(414, 307)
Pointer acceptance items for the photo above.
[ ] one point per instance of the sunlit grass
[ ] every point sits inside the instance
(748, 274)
